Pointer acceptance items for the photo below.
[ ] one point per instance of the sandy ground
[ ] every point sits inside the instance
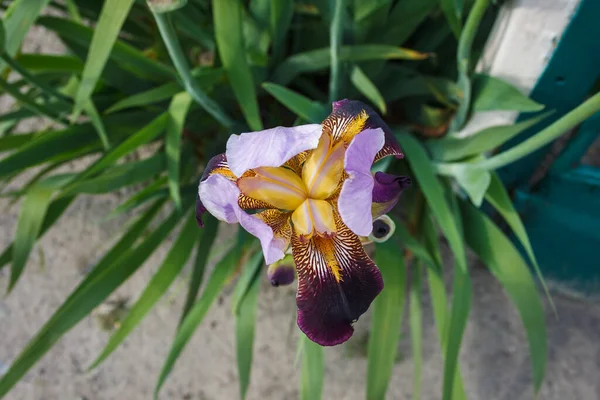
(494, 356)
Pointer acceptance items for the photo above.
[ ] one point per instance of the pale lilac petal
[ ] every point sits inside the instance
(356, 196)
(219, 196)
(271, 147)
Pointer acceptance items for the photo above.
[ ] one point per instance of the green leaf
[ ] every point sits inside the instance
(302, 106)
(386, 325)
(463, 59)
(121, 176)
(90, 109)
(139, 138)
(245, 280)
(491, 94)
(227, 16)
(156, 288)
(43, 110)
(163, 6)
(245, 320)
(106, 32)
(312, 374)
(368, 89)
(405, 18)
(11, 142)
(207, 238)
(315, 60)
(507, 265)
(439, 301)
(497, 196)
(126, 55)
(434, 193)
(114, 268)
(472, 179)
(451, 148)
(54, 212)
(179, 58)
(432, 189)
(69, 143)
(214, 286)
(452, 16)
(336, 29)
(281, 15)
(29, 224)
(154, 190)
(2, 37)
(151, 96)
(416, 328)
(18, 19)
(546, 135)
(178, 110)
(409, 242)
(50, 63)
(205, 77)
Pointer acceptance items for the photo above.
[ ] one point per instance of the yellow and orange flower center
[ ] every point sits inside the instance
(307, 193)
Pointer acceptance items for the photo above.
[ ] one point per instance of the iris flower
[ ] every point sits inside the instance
(310, 188)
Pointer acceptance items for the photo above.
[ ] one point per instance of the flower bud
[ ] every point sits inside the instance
(282, 272)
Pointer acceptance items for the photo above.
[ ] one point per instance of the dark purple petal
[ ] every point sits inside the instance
(200, 210)
(354, 202)
(282, 272)
(386, 192)
(345, 108)
(337, 282)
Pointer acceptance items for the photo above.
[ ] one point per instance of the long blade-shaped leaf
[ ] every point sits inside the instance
(315, 60)
(451, 148)
(106, 33)
(156, 288)
(491, 93)
(245, 280)
(434, 193)
(110, 272)
(43, 110)
(31, 217)
(177, 112)
(227, 17)
(207, 238)
(361, 81)
(245, 320)
(302, 106)
(312, 375)
(439, 300)
(497, 196)
(217, 280)
(54, 212)
(18, 19)
(463, 59)
(151, 96)
(507, 265)
(386, 324)
(416, 328)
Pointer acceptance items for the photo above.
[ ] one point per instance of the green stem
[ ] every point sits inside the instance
(165, 26)
(335, 36)
(539, 140)
(463, 56)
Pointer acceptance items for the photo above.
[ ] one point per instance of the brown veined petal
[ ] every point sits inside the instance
(345, 122)
(248, 203)
(344, 108)
(295, 163)
(337, 282)
(279, 222)
(274, 185)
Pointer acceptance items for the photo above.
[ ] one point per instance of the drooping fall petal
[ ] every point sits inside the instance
(271, 147)
(336, 284)
(220, 197)
(356, 196)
